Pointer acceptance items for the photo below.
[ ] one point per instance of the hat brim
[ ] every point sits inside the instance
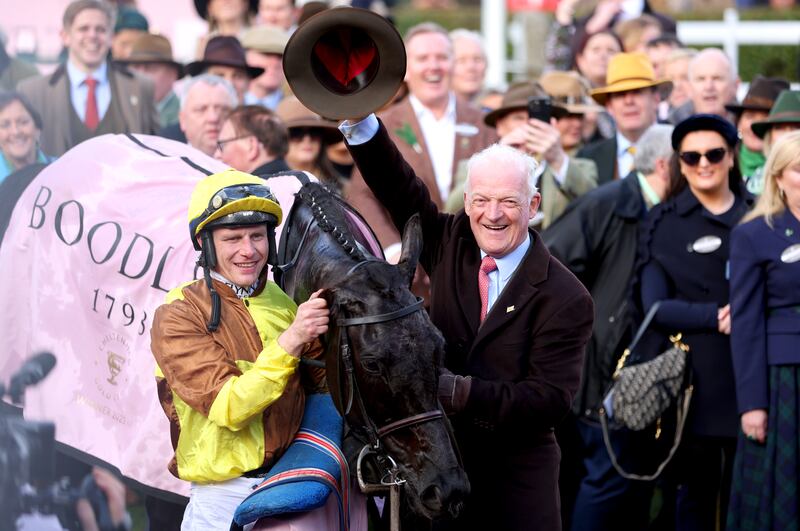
(314, 94)
(330, 133)
(491, 118)
(738, 109)
(575, 108)
(177, 65)
(761, 128)
(198, 67)
(600, 95)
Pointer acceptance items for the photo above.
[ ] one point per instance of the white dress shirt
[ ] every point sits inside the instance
(79, 91)
(505, 270)
(624, 157)
(440, 137)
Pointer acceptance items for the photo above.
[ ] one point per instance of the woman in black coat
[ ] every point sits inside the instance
(765, 340)
(684, 265)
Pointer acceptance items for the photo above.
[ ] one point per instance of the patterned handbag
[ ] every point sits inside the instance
(642, 392)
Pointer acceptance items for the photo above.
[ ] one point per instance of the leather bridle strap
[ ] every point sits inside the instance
(383, 317)
(410, 421)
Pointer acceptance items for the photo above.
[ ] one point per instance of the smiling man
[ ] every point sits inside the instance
(88, 95)
(227, 349)
(515, 320)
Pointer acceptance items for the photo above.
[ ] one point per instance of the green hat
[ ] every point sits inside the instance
(785, 111)
(129, 18)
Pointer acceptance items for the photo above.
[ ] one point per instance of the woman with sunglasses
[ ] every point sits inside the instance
(308, 136)
(684, 264)
(765, 334)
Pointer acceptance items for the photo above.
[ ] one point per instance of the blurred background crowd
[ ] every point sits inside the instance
(640, 136)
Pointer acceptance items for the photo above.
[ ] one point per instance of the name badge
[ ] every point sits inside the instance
(791, 254)
(706, 244)
(466, 129)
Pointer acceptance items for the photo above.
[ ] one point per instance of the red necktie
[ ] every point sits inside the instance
(92, 116)
(487, 266)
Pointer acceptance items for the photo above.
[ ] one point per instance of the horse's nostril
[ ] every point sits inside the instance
(432, 498)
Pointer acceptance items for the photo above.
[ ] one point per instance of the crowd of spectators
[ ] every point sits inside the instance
(645, 152)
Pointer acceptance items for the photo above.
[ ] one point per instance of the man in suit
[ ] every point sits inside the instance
(88, 95)
(205, 101)
(631, 98)
(432, 128)
(515, 333)
(712, 85)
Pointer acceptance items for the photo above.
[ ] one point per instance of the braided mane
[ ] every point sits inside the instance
(330, 217)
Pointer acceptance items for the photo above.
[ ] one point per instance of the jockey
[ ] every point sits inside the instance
(227, 350)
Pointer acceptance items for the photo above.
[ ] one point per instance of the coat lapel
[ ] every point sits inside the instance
(469, 300)
(787, 227)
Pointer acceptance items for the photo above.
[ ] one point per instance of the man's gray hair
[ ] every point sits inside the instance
(474, 36)
(497, 154)
(214, 81)
(713, 52)
(654, 144)
(425, 27)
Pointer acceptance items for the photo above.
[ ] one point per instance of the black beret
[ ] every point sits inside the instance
(705, 122)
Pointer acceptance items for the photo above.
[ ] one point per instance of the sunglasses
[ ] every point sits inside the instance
(713, 156)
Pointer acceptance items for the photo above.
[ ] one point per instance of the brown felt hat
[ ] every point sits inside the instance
(345, 62)
(223, 50)
(515, 99)
(295, 115)
(761, 95)
(152, 49)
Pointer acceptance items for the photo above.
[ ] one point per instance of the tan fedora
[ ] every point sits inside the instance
(265, 39)
(515, 99)
(569, 92)
(627, 71)
(345, 62)
(150, 48)
(295, 115)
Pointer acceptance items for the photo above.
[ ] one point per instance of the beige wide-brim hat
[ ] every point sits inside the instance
(295, 115)
(628, 71)
(345, 62)
(265, 39)
(569, 92)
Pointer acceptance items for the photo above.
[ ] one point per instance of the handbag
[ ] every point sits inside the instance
(642, 392)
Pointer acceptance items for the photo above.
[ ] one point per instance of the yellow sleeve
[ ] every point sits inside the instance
(260, 384)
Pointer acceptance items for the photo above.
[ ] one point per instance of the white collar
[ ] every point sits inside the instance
(507, 264)
(622, 144)
(421, 110)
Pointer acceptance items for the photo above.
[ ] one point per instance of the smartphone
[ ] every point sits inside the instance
(540, 109)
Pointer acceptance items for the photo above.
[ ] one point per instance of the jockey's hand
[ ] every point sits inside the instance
(310, 322)
(453, 391)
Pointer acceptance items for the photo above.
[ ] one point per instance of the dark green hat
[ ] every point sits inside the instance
(785, 111)
(129, 18)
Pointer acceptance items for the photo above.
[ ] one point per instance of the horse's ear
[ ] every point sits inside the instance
(412, 247)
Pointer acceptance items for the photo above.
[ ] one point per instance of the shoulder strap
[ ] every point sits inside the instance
(645, 324)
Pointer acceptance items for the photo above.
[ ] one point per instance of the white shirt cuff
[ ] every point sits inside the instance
(360, 132)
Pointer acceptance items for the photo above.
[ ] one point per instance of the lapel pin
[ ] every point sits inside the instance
(789, 232)
(509, 309)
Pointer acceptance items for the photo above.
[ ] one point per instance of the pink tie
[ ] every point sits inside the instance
(92, 116)
(487, 266)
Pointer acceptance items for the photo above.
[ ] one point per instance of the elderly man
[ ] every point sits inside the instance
(596, 238)
(713, 82)
(469, 63)
(224, 56)
(87, 95)
(515, 320)
(433, 130)
(264, 47)
(631, 98)
(151, 56)
(205, 101)
(227, 349)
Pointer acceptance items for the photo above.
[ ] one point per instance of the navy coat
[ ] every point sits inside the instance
(685, 255)
(765, 304)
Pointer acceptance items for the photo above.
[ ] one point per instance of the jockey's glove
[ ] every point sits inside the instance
(453, 391)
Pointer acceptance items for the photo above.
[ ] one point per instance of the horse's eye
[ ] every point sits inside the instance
(371, 365)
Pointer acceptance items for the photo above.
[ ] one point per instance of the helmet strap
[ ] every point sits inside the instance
(272, 254)
(208, 261)
(213, 322)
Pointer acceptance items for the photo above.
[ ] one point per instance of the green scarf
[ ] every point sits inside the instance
(749, 161)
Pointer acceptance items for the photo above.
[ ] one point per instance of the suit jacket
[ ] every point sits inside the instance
(401, 116)
(524, 359)
(604, 155)
(50, 96)
(765, 297)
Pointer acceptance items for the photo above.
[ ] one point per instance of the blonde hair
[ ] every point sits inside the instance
(630, 31)
(784, 153)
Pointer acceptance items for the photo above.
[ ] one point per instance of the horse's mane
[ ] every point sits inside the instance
(329, 214)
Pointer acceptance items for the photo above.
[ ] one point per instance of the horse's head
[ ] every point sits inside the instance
(395, 364)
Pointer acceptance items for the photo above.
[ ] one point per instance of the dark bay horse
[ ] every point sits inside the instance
(382, 351)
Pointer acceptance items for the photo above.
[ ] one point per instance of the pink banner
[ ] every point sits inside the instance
(93, 245)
